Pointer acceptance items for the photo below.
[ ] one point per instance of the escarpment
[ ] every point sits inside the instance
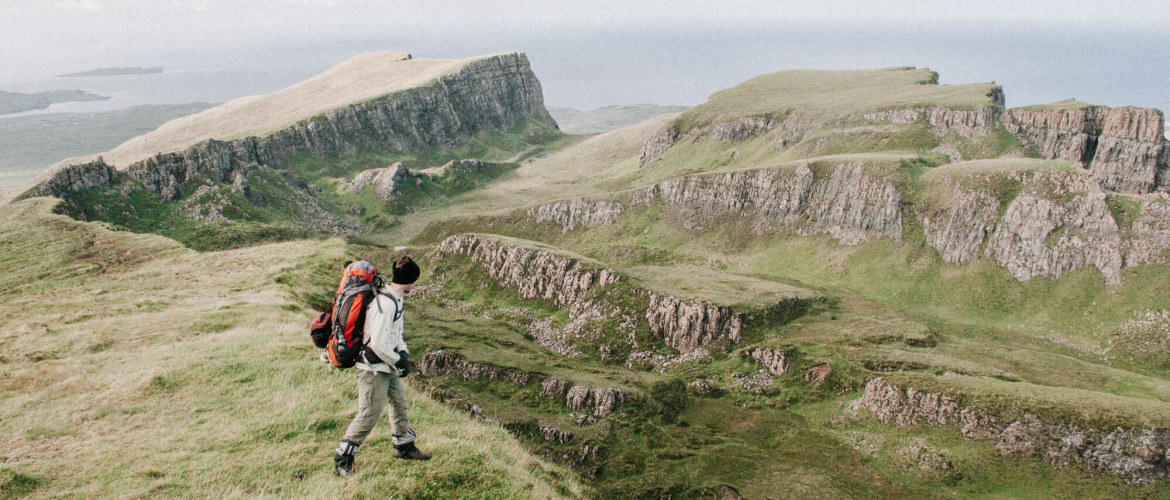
(493, 93)
(687, 327)
(1124, 148)
(1022, 240)
(851, 205)
(578, 212)
(534, 274)
(1139, 455)
(435, 363)
(683, 325)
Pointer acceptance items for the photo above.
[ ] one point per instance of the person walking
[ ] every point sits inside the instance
(383, 363)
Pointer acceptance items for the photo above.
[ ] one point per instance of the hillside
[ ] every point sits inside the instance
(815, 285)
(160, 371)
(575, 121)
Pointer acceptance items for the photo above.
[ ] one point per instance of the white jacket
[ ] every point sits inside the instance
(383, 331)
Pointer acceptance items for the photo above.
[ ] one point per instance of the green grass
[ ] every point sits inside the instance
(835, 92)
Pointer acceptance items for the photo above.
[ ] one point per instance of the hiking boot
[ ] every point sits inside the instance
(342, 465)
(409, 451)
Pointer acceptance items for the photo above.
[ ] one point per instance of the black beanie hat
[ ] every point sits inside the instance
(405, 271)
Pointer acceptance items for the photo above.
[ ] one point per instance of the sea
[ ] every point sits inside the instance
(592, 67)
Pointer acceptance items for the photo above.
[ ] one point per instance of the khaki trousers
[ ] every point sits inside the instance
(374, 390)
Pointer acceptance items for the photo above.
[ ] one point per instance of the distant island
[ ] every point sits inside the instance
(113, 72)
(13, 102)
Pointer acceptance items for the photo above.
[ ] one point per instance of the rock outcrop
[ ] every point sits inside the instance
(687, 327)
(1151, 236)
(1124, 148)
(435, 363)
(385, 181)
(1026, 240)
(493, 93)
(578, 212)
(1139, 455)
(957, 232)
(978, 122)
(567, 283)
(851, 205)
(601, 401)
(534, 274)
(741, 129)
(657, 145)
(776, 362)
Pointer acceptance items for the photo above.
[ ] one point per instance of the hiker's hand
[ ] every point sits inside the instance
(403, 363)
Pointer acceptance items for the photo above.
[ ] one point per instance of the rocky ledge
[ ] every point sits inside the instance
(1123, 148)
(851, 204)
(1140, 455)
(493, 93)
(579, 287)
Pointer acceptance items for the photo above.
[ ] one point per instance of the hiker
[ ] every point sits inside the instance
(380, 367)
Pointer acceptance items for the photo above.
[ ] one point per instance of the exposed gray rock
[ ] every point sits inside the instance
(554, 434)
(1124, 148)
(854, 206)
(851, 205)
(1140, 455)
(1021, 241)
(741, 129)
(535, 274)
(578, 212)
(776, 362)
(435, 363)
(555, 389)
(1151, 236)
(978, 122)
(958, 231)
(687, 327)
(602, 401)
(657, 145)
(493, 93)
(73, 178)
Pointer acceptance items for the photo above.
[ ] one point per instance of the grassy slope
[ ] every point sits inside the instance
(837, 92)
(134, 367)
(575, 121)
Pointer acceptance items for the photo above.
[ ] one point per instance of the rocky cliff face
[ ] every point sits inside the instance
(489, 94)
(1022, 241)
(775, 362)
(435, 363)
(1060, 222)
(598, 401)
(579, 212)
(657, 145)
(536, 274)
(958, 231)
(851, 205)
(385, 181)
(978, 122)
(1140, 455)
(1124, 148)
(687, 327)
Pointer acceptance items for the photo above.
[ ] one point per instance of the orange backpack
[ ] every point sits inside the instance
(348, 317)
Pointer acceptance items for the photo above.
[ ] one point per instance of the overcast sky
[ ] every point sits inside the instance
(46, 37)
(41, 34)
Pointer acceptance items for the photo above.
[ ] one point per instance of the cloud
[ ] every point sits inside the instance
(82, 5)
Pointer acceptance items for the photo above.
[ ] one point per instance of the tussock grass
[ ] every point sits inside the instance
(217, 394)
